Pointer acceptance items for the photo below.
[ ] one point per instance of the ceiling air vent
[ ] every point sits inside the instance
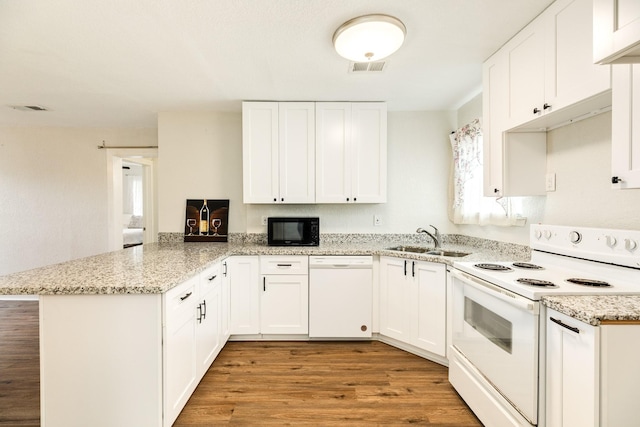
(367, 67)
(28, 107)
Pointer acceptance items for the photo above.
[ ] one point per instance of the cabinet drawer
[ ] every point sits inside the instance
(209, 278)
(179, 302)
(277, 264)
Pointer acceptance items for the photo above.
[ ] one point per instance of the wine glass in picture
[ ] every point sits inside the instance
(216, 223)
(191, 223)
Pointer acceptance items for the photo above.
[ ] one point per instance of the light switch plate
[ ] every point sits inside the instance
(377, 220)
(551, 182)
(264, 220)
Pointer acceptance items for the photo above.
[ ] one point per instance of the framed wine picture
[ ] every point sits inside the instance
(206, 220)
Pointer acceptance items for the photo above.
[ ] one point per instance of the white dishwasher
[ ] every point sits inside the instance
(340, 296)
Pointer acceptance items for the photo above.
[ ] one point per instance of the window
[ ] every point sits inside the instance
(468, 205)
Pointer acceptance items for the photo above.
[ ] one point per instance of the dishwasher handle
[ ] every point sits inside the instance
(341, 262)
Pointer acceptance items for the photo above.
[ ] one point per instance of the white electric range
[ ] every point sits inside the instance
(497, 328)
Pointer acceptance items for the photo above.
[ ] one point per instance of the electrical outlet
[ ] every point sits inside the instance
(377, 220)
(264, 220)
(550, 184)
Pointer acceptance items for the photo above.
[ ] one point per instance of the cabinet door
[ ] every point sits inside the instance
(260, 152)
(180, 370)
(616, 36)
(244, 276)
(369, 152)
(572, 373)
(625, 138)
(296, 164)
(429, 311)
(284, 304)
(394, 298)
(571, 76)
(225, 314)
(526, 70)
(333, 152)
(495, 97)
(208, 317)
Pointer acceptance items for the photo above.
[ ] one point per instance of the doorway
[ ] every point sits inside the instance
(131, 222)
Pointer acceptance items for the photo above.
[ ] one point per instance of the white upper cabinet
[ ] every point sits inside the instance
(571, 76)
(351, 152)
(550, 68)
(525, 65)
(625, 117)
(616, 31)
(514, 164)
(278, 149)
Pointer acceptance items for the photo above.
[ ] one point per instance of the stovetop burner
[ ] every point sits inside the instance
(493, 267)
(527, 266)
(536, 282)
(589, 282)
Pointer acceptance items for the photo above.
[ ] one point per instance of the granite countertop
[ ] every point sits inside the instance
(597, 309)
(157, 267)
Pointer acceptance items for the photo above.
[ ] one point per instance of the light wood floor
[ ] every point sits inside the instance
(265, 383)
(323, 384)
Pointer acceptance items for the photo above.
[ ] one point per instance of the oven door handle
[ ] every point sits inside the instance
(497, 292)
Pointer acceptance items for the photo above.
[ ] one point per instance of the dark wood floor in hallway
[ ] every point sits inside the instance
(324, 384)
(19, 364)
(265, 383)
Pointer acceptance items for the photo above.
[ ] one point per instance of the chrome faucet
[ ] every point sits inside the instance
(435, 236)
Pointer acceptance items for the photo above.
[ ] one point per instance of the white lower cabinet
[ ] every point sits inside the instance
(243, 274)
(591, 373)
(194, 313)
(136, 359)
(210, 310)
(179, 348)
(413, 303)
(269, 294)
(284, 297)
(572, 380)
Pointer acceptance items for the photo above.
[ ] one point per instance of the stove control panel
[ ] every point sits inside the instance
(621, 247)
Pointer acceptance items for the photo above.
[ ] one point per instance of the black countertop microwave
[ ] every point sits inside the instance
(293, 231)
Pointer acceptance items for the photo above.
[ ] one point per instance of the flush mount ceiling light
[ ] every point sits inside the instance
(369, 37)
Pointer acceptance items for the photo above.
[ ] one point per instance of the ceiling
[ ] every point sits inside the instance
(117, 63)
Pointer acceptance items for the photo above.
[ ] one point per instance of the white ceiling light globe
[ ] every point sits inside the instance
(369, 37)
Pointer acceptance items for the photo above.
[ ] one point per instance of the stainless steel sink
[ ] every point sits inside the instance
(447, 253)
(414, 249)
(428, 251)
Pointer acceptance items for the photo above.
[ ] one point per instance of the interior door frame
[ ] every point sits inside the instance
(146, 157)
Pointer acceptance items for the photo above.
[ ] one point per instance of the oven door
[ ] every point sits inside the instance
(497, 331)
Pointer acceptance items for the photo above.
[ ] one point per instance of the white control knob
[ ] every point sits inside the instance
(575, 237)
(611, 241)
(547, 234)
(538, 234)
(630, 245)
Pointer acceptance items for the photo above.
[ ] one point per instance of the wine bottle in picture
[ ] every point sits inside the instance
(204, 219)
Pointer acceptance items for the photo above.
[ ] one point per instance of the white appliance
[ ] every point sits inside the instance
(498, 331)
(340, 296)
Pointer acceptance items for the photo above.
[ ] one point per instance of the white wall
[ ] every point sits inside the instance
(199, 151)
(580, 155)
(53, 193)
(199, 157)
